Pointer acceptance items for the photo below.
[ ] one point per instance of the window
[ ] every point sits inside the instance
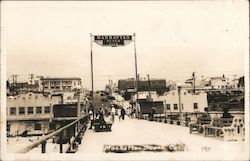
(30, 110)
(13, 111)
(175, 107)
(182, 106)
(168, 106)
(196, 106)
(21, 110)
(47, 109)
(38, 127)
(38, 110)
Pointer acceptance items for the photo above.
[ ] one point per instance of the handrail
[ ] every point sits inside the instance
(45, 138)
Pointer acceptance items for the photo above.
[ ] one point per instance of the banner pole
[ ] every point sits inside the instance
(136, 77)
(92, 79)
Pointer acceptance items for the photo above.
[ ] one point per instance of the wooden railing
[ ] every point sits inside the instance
(78, 126)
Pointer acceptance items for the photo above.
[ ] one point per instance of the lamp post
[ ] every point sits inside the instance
(78, 106)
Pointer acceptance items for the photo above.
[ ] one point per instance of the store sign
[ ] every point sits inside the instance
(113, 40)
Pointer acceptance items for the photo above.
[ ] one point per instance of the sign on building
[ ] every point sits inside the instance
(113, 40)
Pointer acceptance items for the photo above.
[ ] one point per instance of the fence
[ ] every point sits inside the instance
(77, 128)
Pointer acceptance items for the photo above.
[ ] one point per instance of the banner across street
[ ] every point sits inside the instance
(113, 40)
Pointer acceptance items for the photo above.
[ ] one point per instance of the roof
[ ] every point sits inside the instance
(64, 78)
(219, 78)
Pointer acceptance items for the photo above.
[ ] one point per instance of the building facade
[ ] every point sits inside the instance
(30, 112)
(176, 101)
(60, 84)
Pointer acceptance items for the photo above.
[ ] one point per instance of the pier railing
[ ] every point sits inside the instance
(76, 128)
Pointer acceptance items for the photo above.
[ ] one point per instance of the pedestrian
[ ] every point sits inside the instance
(91, 117)
(150, 115)
(113, 113)
(153, 110)
(119, 113)
(100, 114)
(123, 112)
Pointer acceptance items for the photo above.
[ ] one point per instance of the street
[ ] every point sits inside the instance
(139, 132)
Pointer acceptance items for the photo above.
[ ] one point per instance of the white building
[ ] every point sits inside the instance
(31, 112)
(61, 84)
(188, 102)
(219, 82)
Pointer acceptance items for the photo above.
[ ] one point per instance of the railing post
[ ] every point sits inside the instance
(44, 147)
(190, 129)
(60, 141)
(206, 131)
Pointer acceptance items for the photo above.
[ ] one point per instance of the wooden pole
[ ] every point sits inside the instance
(136, 77)
(92, 72)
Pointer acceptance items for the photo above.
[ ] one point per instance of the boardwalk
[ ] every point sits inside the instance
(133, 131)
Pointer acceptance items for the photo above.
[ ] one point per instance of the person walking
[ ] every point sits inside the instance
(123, 112)
(91, 118)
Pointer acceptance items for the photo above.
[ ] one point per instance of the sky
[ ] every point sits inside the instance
(173, 39)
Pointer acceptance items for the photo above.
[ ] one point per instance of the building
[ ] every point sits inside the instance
(30, 113)
(60, 84)
(176, 101)
(127, 86)
(219, 82)
(180, 104)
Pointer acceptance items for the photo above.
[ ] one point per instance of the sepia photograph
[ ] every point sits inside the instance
(124, 80)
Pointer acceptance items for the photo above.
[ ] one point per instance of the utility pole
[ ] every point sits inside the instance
(92, 75)
(78, 107)
(136, 77)
(194, 81)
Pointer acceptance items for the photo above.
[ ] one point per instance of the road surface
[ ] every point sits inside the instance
(134, 131)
